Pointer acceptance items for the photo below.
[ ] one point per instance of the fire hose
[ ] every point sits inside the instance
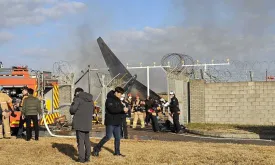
(54, 135)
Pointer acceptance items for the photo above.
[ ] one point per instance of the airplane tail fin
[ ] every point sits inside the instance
(112, 62)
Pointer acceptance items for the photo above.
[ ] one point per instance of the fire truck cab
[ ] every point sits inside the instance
(15, 78)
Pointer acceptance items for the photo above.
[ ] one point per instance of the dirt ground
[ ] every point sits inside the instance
(63, 151)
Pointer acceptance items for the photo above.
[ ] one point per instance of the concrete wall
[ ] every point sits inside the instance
(233, 103)
(197, 101)
(179, 85)
(65, 96)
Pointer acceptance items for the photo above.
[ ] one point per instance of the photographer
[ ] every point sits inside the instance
(82, 108)
(113, 120)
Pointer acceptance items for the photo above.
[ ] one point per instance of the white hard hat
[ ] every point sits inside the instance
(172, 93)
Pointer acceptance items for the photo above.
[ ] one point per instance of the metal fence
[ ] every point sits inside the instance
(236, 71)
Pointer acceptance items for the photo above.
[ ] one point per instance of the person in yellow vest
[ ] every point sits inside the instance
(6, 107)
(22, 121)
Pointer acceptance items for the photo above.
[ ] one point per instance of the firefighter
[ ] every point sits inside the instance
(153, 115)
(22, 121)
(130, 104)
(175, 111)
(148, 106)
(138, 113)
(124, 131)
(6, 107)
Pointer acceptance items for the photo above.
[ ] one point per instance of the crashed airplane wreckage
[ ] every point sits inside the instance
(119, 71)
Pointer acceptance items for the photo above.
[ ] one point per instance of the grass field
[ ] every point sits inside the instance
(231, 128)
(54, 151)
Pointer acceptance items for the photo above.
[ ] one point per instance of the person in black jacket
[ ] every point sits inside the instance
(175, 111)
(153, 115)
(22, 121)
(113, 120)
(82, 108)
(148, 107)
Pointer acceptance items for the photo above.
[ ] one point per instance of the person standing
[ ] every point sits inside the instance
(148, 107)
(175, 111)
(138, 113)
(130, 105)
(153, 115)
(22, 121)
(30, 110)
(124, 130)
(113, 120)
(82, 108)
(6, 108)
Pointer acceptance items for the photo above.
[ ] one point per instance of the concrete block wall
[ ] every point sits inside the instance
(65, 95)
(197, 101)
(240, 103)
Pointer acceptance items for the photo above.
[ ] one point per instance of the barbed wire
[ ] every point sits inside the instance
(63, 71)
(235, 72)
(175, 61)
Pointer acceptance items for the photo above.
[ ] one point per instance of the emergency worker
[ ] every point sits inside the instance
(22, 121)
(153, 115)
(148, 106)
(130, 105)
(175, 111)
(124, 130)
(6, 107)
(138, 112)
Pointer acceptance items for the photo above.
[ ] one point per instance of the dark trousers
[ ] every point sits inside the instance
(148, 117)
(124, 130)
(21, 127)
(83, 145)
(34, 119)
(110, 130)
(176, 122)
(155, 124)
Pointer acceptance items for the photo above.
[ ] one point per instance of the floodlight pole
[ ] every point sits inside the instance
(148, 73)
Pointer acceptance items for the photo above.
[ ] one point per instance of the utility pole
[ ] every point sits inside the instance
(89, 79)
(148, 73)
(103, 95)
